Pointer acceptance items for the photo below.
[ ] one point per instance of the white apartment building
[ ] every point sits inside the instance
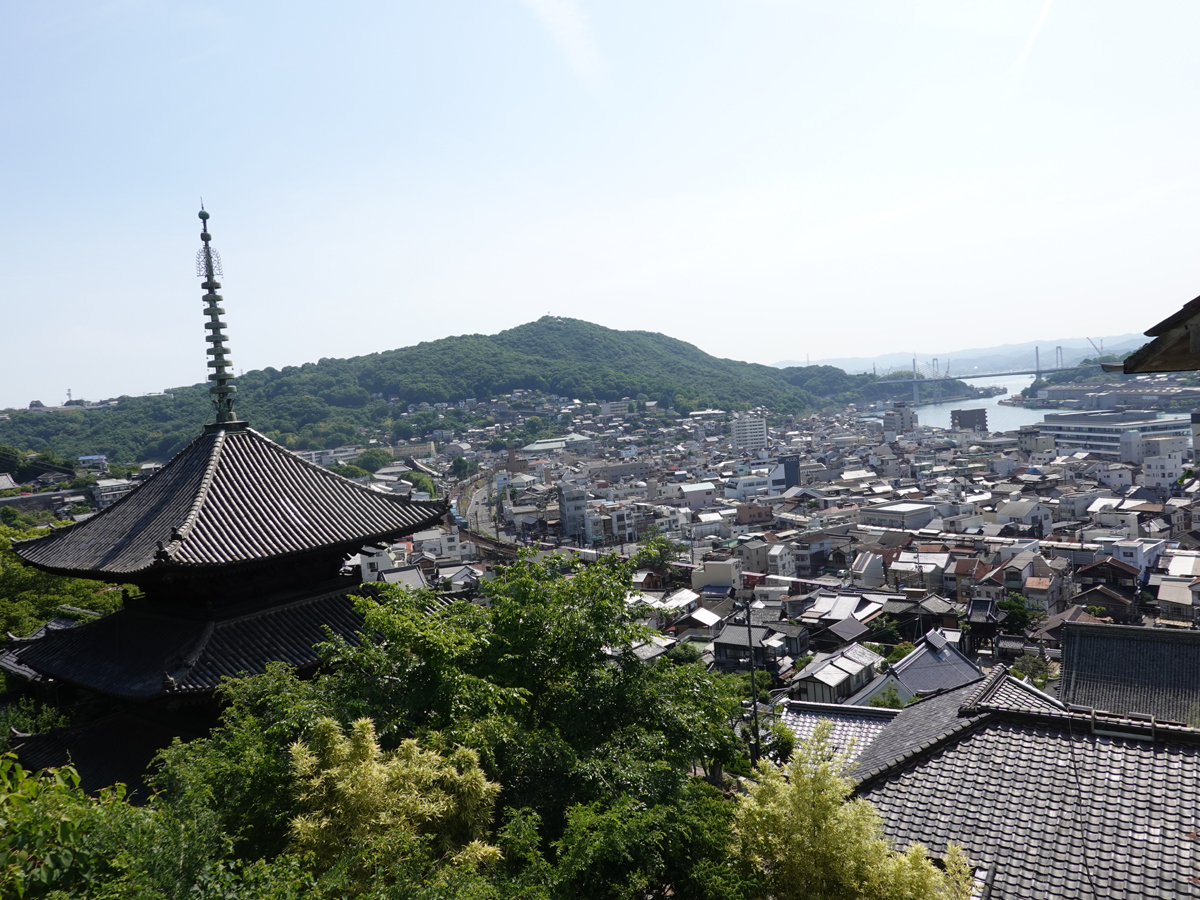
(743, 487)
(781, 560)
(108, 491)
(1100, 432)
(698, 496)
(1162, 471)
(1136, 448)
(748, 433)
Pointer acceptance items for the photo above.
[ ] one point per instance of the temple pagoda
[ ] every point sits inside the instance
(237, 545)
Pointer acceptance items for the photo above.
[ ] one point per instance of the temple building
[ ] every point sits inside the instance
(237, 547)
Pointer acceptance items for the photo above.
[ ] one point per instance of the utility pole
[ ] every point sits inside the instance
(755, 748)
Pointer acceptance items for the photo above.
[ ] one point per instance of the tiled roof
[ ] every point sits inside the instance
(1109, 561)
(1124, 669)
(117, 748)
(920, 727)
(229, 497)
(142, 653)
(9, 661)
(934, 666)
(862, 724)
(1051, 629)
(1046, 803)
(982, 612)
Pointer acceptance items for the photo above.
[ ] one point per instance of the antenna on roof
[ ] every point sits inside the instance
(208, 267)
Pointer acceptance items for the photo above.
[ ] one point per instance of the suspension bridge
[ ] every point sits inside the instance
(933, 374)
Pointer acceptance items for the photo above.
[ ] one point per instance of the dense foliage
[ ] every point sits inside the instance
(800, 837)
(325, 404)
(29, 597)
(513, 749)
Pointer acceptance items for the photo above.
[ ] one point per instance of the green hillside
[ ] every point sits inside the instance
(328, 402)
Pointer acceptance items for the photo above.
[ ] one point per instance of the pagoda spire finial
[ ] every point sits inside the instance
(208, 267)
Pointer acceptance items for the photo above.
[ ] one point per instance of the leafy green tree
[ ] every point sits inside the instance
(1019, 615)
(685, 652)
(421, 482)
(901, 650)
(888, 698)
(799, 836)
(1036, 668)
(30, 597)
(29, 716)
(883, 630)
(781, 743)
(373, 458)
(658, 553)
(382, 807)
(462, 467)
(349, 471)
(634, 849)
(44, 820)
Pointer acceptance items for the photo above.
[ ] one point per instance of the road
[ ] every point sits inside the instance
(478, 515)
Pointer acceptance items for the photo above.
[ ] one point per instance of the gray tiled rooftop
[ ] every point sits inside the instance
(860, 724)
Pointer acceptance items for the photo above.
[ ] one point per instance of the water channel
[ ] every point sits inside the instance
(1000, 418)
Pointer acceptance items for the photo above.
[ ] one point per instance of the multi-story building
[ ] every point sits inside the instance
(900, 419)
(1100, 432)
(108, 491)
(572, 503)
(1136, 448)
(1162, 471)
(698, 496)
(748, 433)
(781, 560)
(1031, 440)
(968, 419)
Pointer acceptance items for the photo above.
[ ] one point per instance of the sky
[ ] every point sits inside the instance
(768, 180)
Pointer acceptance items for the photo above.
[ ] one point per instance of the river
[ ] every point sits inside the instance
(1000, 418)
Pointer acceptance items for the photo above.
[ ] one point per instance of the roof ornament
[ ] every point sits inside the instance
(208, 267)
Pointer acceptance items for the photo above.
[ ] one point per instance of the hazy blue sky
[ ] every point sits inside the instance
(764, 179)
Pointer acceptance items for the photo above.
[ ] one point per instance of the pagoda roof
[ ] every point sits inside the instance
(153, 651)
(231, 497)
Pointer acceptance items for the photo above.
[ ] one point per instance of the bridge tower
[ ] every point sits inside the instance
(916, 384)
(1037, 361)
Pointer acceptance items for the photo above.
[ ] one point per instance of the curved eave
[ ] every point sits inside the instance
(163, 566)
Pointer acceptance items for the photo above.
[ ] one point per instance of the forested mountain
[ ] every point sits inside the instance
(327, 402)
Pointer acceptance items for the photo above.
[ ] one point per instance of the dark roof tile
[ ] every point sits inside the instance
(142, 654)
(1124, 669)
(228, 498)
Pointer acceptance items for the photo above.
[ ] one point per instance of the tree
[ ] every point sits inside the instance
(383, 807)
(421, 482)
(884, 630)
(348, 471)
(1036, 668)
(373, 459)
(46, 817)
(901, 650)
(462, 467)
(888, 698)
(1019, 615)
(799, 837)
(30, 597)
